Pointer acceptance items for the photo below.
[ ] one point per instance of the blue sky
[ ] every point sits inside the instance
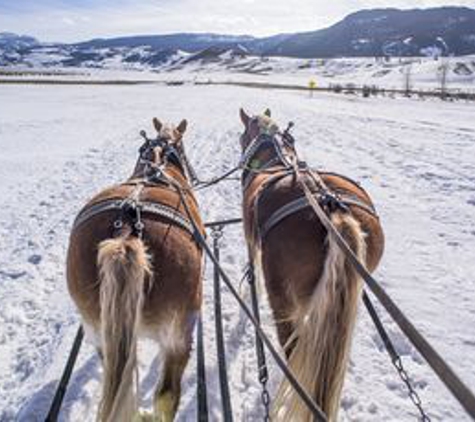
(75, 20)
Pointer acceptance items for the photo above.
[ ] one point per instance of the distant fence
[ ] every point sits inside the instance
(365, 90)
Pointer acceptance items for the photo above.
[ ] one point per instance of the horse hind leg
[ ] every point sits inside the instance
(93, 336)
(283, 323)
(167, 395)
(177, 348)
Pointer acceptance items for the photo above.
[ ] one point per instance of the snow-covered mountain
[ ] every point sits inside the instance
(376, 32)
(379, 32)
(188, 42)
(13, 42)
(388, 32)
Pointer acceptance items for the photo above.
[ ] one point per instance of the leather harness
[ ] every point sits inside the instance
(330, 199)
(131, 208)
(152, 208)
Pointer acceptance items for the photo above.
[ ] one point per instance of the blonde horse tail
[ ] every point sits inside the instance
(323, 329)
(123, 266)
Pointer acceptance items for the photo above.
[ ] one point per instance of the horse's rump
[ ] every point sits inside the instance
(276, 191)
(175, 256)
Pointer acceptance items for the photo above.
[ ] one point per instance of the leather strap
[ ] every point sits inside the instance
(301, 203)
(146, 207)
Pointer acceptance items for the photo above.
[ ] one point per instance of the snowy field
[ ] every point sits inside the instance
(59, 145)
(419, 73)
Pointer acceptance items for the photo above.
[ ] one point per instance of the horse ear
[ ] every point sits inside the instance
(244, 117)
(158, 124)
(182, 126)
(267, 112)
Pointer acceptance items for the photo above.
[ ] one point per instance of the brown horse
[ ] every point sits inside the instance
(134, 269)
(312, 288)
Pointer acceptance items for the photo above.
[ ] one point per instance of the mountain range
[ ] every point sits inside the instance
(378, 32)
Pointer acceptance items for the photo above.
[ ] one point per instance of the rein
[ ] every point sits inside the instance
(244, 163)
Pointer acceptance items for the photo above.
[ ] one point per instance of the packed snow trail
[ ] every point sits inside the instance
(60, 145)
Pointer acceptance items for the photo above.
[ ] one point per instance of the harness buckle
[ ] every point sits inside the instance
(118, 224)
(331, 202)
(131, 213)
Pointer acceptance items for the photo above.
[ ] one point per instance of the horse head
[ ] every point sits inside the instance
(166, 148)
(256, 126)
(264, 145)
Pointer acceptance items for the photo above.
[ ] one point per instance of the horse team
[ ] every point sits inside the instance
(134, 268)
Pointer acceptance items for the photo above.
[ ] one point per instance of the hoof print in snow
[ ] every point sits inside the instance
(24, 369)
(373, 408)
(348, 402)
(35, 259)
(12, 275)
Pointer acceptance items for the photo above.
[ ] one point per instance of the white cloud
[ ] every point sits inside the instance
(68, 21)
(73, 20)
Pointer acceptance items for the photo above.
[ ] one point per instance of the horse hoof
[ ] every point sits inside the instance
(165, 407)
(145, 417)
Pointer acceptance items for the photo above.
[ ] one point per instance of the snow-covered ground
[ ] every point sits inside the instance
(61, 144)
(419, 73)
(424, 73)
